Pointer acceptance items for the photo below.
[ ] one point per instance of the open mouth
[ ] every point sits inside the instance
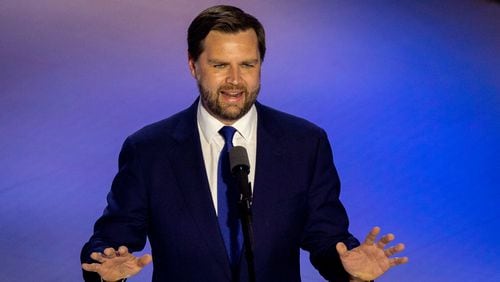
(232, 95)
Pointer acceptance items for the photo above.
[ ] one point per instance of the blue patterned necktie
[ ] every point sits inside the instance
(227, 201)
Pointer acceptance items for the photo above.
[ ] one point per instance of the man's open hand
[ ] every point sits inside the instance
(113, 265)
(370, 260)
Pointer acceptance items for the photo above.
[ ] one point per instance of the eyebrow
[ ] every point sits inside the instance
(210, 61)
(215, 61)
(252, 61)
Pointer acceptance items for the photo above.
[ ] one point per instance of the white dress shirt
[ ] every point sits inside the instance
(212, 143)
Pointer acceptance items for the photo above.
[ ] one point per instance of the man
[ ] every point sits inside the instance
(171, 189)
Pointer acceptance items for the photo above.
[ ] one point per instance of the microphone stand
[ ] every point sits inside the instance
(245, 204)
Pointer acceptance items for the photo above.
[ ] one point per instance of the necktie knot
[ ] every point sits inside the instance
(227, 133)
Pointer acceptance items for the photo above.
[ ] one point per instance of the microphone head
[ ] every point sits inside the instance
(238, 157)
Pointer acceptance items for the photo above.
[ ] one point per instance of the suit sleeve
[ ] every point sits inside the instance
(327, 222)
(125, 218)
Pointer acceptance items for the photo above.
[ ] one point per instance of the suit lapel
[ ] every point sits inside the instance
(269, 153)
(189, 169)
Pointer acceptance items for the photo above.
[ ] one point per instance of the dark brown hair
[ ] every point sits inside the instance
(226, 19)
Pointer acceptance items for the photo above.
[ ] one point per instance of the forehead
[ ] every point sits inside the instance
(219, 43)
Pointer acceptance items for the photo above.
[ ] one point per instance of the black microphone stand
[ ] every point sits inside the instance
(245, 204)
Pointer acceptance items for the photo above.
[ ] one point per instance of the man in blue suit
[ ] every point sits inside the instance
(168, 187)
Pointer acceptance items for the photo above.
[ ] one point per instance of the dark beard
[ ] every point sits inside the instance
(215, 109)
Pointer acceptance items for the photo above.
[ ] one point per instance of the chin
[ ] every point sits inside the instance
(232, 115)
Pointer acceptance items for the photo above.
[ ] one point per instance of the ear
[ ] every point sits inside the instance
(192, 66)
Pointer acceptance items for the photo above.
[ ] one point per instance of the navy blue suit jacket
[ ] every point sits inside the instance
(161, 192)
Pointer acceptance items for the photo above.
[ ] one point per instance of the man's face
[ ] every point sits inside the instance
(228, 74)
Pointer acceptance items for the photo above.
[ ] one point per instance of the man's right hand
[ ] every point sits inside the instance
(114, 265)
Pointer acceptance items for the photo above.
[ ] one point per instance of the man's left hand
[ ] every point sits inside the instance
(370, 260)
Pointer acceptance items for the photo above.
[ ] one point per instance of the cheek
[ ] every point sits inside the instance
(253, 82)
(211, 81)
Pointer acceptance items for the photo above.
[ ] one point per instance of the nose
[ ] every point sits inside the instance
(233, 76)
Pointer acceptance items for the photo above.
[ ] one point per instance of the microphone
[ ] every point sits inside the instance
(238, 159)
(240, 167)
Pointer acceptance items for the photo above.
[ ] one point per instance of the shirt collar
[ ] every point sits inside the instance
(210, 126)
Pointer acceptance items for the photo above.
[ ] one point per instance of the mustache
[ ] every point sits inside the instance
(229, 87)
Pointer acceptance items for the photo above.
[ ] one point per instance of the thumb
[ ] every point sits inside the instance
(144, 260)
(341, 248)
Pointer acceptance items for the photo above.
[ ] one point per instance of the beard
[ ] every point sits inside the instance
(227, 112)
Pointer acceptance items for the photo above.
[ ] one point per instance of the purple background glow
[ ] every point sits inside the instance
(408, 91)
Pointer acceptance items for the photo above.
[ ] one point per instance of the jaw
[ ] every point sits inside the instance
(227, 104)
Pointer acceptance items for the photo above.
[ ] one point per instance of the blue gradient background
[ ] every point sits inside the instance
(408, 92)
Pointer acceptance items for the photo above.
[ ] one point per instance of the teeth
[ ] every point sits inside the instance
(231, 93)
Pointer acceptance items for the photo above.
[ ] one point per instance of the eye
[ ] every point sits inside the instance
(219, 66)
(248, 65)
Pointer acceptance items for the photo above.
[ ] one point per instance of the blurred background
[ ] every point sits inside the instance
(408, 91)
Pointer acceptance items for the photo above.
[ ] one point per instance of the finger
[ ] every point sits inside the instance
(386, 239)
(341, 248)
(398, 261)
(122, 251)
(392, 250)
(109, 252)
(144, 260)
(97, 257)
(370, 238)
(93, 267)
